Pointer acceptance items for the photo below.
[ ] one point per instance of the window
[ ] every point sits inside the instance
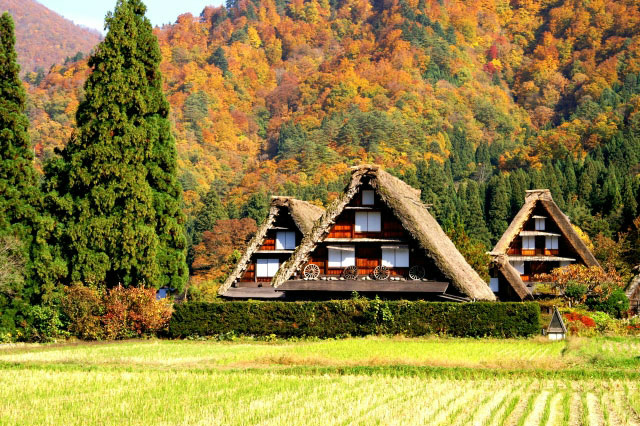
(565, 263)
(285, 241)
(368, 222)
(368, 198)
(267, 268)
(342, 256)
(528, 243)
(540, 224)
(551, 243)
(395, 257)
(519, 266)
(494, 284)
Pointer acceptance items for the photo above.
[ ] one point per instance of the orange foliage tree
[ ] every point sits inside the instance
(220, 246)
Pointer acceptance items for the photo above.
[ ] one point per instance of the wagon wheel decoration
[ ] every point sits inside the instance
(311, 271)
(350, 273)
(381, 273)
(416, 272)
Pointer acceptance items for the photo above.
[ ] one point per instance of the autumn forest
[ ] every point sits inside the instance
(473, 102)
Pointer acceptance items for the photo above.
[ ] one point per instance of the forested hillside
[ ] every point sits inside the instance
(45, 38)
(472, 101)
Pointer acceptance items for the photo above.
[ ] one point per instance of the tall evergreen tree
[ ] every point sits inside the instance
(115, 188)
(570, 176)
(257, 207)
(22, 224)
(630, 208)
(498, 207)
(474, 221)
(212, 210)
(18, 181)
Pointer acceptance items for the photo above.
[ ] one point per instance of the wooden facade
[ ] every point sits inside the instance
(540, 247)
(269, 250)
(370, 246)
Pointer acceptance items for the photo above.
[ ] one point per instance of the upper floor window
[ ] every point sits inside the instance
(368, 197)
(285, 240)
(368, 222)
(528, 243)
(551, 243)
(540, 224)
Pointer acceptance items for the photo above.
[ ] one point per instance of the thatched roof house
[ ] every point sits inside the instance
(539, 238)
(283, 209)
(403, 202)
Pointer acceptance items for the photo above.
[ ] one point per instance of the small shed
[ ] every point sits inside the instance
(556, 330)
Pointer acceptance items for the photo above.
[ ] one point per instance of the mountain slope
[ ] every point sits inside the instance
(45, 38)
(281, 96)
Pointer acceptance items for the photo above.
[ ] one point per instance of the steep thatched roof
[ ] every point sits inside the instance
(532, 199)
(543, 197)
(512, 276)
(405, 202)
(633, 291)
(303, 214)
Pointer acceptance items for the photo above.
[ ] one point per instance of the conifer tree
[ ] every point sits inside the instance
(212, 210)
(474, 221)
(570, 176)
(256, 207)
(630, 205)
(114, 188)
(22, 225)
(18, 181)
(498, 207)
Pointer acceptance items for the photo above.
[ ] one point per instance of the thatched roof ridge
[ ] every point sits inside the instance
(304, 215)
(543, 197)
(405, 202)
(512, 276)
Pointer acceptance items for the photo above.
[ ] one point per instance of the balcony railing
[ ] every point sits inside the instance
(533, 252)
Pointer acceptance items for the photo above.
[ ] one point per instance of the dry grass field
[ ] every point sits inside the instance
(385, 381)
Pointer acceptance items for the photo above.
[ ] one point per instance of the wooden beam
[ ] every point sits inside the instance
(253, 293)
(365, 286)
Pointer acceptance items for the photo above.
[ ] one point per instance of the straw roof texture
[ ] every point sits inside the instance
(303, 214)
(512, 276)
(405, 202)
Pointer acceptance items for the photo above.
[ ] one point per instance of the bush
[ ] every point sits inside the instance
(45, 324)
(133, 312)
(119, 313)
(355, 317)
(83, 308)
(575, 292)
(616, 305)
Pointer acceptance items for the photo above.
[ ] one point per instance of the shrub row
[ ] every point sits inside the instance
(356, 318)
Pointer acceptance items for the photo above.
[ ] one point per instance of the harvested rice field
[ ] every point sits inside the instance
(433, 381)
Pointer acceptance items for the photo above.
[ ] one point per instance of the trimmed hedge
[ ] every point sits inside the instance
(355, 318)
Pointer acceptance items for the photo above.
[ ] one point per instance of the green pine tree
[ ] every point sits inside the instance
(18, 181)
(498, 207)
(212, 210)
(23, 227)
(115, 188)
(474, 221)
(256, 207)
(630, 208)
(570, 176)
